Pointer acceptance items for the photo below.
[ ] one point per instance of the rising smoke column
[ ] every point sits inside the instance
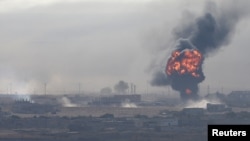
(206, 34)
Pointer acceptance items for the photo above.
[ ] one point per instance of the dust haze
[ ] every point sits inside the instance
(63, 44)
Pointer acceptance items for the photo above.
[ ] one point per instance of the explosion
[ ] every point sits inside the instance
(186, 62)
(184, 68)
(195, 42)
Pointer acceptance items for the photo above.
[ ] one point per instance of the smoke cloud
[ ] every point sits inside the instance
(121, 87)
(66, 102)
(210, 31)
(206, 34)
(160, 79)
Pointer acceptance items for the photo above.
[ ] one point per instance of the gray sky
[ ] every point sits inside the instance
(98, 43)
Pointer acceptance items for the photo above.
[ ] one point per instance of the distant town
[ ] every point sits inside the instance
(117, 117)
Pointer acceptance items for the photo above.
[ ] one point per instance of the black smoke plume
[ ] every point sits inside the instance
(206, 34)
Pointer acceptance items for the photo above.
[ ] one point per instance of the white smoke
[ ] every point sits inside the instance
(201, 103)
(128, 104)
(21, 97)
(67, 103)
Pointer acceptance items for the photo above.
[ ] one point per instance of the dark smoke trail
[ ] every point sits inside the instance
(205, 35)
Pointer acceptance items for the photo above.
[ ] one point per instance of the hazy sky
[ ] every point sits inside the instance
(98, 43)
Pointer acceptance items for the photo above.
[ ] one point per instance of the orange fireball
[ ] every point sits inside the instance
(184, 62)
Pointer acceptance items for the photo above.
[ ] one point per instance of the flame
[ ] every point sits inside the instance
(188, 91)
(184, 62)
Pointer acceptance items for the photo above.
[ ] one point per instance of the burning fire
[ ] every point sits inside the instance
(184, 62)
(188, 91)
(184, 68)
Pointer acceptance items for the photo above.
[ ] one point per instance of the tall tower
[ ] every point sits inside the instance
(45, 88)
(134, 89)
(131, 88)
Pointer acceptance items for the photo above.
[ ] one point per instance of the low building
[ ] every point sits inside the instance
(131, 98)
(166, 122)
(193, 111)
(239, 99)
(117, 99)
(217, 108)
(26, 107)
